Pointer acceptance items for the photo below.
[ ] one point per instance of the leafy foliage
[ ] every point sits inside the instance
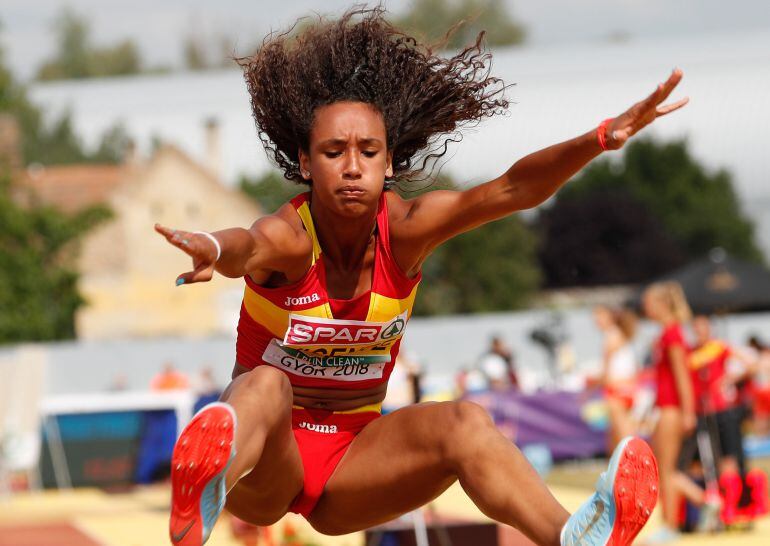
(431, 19)
(76, 57)
(604, 238)
(54, 143)
(270, 190)
(491, 268)
(38, 282)
(656, 196)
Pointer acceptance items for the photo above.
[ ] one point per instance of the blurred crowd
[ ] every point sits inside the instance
(694, 394)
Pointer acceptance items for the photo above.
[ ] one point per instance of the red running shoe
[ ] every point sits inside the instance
(625, 496)
(200, 461)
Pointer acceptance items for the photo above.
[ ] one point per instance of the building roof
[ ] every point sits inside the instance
(70, 187)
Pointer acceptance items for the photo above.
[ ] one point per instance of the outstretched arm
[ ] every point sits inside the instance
(271, 244)
(437, 216)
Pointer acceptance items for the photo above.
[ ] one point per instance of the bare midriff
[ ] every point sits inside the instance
(338, 399)
(330, 398)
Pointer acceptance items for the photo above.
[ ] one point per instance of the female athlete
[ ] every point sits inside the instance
(619, 370)
(666, 304)
(349, 108)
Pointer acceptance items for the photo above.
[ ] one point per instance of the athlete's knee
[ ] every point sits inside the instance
(470, 417)
(467, 425)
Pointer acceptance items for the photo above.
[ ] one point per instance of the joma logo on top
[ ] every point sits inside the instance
(302, 300)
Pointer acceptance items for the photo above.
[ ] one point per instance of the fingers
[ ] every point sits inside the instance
(180, 239)
(669, 85)
(668, 108)
(204, 267)
(171, 235)
(663, 90)
(202, 273)
(652, 100)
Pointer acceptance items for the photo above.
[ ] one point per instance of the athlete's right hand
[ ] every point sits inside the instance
(199, 247)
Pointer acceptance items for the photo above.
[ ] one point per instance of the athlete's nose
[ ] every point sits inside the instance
(352, 166)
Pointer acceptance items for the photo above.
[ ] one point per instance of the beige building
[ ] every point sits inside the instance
(128, 270)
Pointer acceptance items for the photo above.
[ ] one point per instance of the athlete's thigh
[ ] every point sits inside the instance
(667, 438)
(394, 465)
(264, 495)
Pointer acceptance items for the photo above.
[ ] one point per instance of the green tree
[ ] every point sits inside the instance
(121, 59)
(113, 145)
(38, 281)
(697, 209)
(602, 238)
(194, 53)
(490, 268)
(431, 19)
(76, 57)
(270, 190)
(56, 142)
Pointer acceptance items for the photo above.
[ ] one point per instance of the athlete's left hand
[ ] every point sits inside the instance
(643, 113)
(202, 251)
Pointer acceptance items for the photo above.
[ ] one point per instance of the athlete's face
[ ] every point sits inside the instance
(348, 158)
(702, 328)
(654, 304)
(602, 318)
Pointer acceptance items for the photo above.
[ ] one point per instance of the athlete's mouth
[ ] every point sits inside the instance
(351, 191)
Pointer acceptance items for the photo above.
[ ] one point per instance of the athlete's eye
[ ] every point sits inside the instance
(332, 154)
(370, 153)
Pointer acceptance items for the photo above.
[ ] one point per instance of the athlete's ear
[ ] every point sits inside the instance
(304, 164)
(389, 165)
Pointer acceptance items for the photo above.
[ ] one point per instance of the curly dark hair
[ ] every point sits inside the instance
(424, 99)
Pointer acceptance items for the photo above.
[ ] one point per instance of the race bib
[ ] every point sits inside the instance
(340, 350)
(338, 368)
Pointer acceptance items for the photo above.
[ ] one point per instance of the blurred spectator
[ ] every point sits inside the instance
(204, 383)
(716, 401)
(619, 371)
(119, 383)
(205, 387)
(760, 381)
(552, 336)
(169, 379)
(470, 380)
(497, 365)
(404, 384)
(461, 382)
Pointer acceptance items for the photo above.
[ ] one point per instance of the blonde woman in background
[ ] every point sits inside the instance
(665, 304)
(619, 369)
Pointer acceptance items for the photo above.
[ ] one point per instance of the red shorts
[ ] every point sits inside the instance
(623, 393)
(323, 437)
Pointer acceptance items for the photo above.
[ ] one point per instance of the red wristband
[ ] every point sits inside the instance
(601, 133)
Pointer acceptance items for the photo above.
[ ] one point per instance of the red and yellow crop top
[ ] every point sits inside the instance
(321, 342)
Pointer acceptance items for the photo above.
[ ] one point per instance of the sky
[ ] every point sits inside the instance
(160, 27)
